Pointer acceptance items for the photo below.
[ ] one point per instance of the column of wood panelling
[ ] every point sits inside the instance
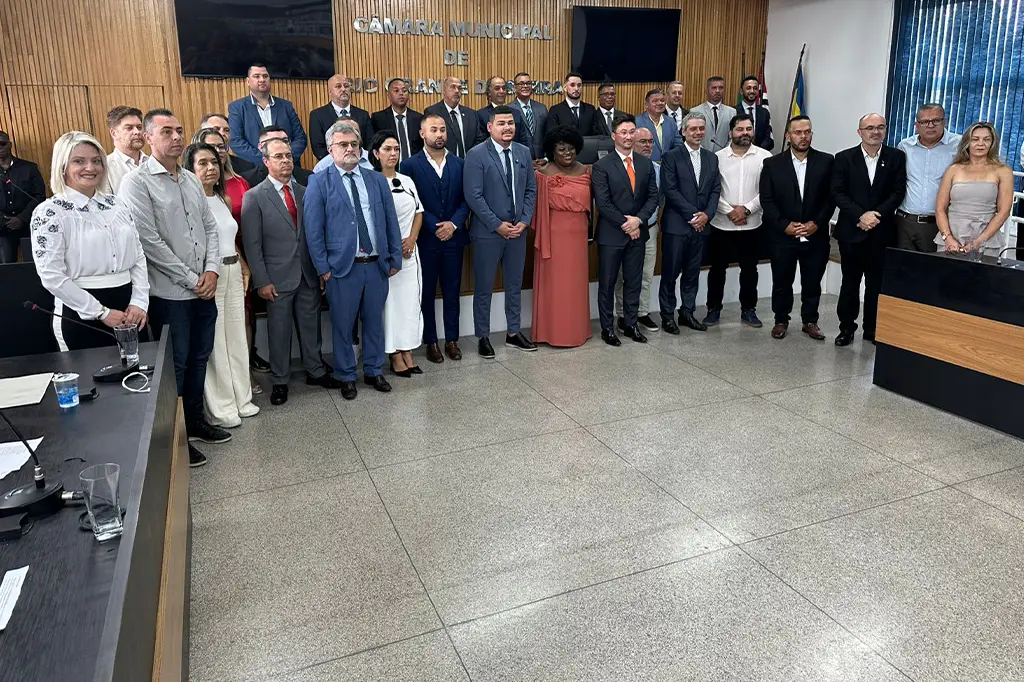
(40, 114)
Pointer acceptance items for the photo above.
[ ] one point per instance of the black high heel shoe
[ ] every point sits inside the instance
(405, 373)
(415, 369)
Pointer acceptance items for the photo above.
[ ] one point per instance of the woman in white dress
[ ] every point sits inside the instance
(403, 317)
(227, 392)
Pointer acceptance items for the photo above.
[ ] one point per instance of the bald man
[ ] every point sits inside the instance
(869, 182)
(464, 131)
(339, 88)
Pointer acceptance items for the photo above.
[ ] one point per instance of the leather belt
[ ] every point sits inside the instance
(229, 260)
(366, 259)
(915, 218)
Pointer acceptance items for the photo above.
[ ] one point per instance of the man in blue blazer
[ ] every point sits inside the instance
(437, 174)
(248, 115)
(355, 245)
(690, 182)
(666, 135)
(501, 190)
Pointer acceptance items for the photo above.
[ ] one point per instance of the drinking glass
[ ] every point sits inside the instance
(99, 486)
(66, 386)
(127, 336)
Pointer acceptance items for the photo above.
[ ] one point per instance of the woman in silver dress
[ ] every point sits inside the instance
(975, 196)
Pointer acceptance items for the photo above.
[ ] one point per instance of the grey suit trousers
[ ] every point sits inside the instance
(487, 253)
(302, 306)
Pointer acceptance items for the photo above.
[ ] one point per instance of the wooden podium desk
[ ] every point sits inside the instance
(951, 334)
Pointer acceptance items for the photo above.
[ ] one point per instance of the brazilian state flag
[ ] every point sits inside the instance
(797, 107)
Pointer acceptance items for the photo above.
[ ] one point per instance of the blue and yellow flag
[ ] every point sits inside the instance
(796, 106)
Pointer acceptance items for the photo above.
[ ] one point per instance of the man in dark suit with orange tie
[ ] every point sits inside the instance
(626, 195)
(574, 112)
(868, 183)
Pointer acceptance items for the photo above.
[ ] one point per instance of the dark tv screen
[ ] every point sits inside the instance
(294, 38)
(624, 45)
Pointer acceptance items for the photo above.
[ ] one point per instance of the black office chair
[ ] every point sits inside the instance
(31, 331)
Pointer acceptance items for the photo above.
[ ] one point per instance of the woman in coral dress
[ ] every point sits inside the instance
(561, 271)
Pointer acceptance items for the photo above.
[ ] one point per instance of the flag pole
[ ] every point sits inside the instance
(792, 93)
(743, 74)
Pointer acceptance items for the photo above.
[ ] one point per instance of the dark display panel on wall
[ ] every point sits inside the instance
(624, 45)
(294, 38)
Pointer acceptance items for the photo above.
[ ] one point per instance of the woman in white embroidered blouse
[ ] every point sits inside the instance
(86, 248)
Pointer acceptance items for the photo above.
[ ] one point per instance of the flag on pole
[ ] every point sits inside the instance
(743, 74)
(762, 101)
(796, 105)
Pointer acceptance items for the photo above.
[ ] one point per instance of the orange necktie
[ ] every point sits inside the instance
(631, 173)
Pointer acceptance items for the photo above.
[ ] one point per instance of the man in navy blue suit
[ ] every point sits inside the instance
(248, 116)
(690, 182)
(501, 190)
(443, 237)
(355, 244)
(497, 93)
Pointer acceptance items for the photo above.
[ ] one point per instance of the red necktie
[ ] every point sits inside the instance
(290, 203)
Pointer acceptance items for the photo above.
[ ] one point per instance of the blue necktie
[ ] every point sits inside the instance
(508, 179)
(365, 245)
(528, 115)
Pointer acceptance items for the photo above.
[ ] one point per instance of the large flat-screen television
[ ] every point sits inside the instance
(218, 38)
(624, 45)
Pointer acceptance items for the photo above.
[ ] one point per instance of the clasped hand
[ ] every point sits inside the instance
(869, 220)
(510, 231)
(632, 227)
(699, 220)
(206, 288)
(445, 230)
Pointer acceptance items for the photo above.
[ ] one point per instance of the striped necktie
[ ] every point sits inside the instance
(528, 116)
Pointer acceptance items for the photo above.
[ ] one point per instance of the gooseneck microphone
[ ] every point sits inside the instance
(38, 498)
(110, 374)
(29, 305)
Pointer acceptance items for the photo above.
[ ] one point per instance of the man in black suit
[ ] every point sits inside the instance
(21, 190)
(400, 118)
(572, 112)
(796, 197)
(464, 131)
(868, 184)
(762, 118)
(321, 119)
(497, 93)
(626, 195)
(258, 174)
(605, 109)
(690, 181)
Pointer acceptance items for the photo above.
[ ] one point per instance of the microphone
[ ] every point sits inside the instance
(999, 256)
(36, 499)
(104, 375)
(400, 189)
(15, 186)
(29, 305)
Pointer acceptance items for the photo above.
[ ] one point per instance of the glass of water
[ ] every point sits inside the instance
(99, 486)
(127, 336)
(66, 386)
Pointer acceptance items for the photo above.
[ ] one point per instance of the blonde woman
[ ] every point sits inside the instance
(975, 196)
(86, 248)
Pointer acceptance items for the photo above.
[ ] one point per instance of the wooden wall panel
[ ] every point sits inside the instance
(40, 114)
(103, 98)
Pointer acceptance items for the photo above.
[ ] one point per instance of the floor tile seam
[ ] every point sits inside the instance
(263, 491)
(827, 615)
(670, 410)
(690, 364)
(993, 473)
(539, 394)
(986, 502)
(416, 571)
(815, 384)
(580, 588)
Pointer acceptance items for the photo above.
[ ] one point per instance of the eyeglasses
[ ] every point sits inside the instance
(520, 84)
(874, 129)
(219, 147)
(346, 145)
(282, 157)
(930, 122)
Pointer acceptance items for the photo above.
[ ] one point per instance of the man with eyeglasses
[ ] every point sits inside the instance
(497, 93)
(929, 153)
(257, 175)
(869, 182)
(535, 114)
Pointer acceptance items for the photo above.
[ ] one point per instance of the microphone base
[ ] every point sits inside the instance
(28, 499)
(113, 374)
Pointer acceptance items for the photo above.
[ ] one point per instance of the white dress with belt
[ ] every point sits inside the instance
(227, 393)
(403, 317)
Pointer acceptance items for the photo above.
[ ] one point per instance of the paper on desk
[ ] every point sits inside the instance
(13, 455)
(10, 590)
(26, 390)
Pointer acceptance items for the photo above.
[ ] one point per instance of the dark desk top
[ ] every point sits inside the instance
(56, 629)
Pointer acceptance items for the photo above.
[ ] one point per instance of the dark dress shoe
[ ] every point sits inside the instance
(779, 330)
(669, 325)
(647, 323)
(688, 320)
(378, 382)
(323, 381)
(621, 324)
(812, 330)
(519, 340)
(635, 334)
(844, 339)
(348, 390)
(195, 458)
(434, 353)
(279, 394)
(609, 337)
(415, 369)
(485, 348)
(258, 364)
(207, 433)
(453, 350)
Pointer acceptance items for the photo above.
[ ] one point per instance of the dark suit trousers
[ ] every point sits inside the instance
(862, 260)
(680, 260)
(812, 257)
(444, 263)
(361, 293)
(610, 259)
(300, 307)
(733, 246)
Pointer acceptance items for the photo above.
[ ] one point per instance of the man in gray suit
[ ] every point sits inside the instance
(717, 115)
(535, 114)
(501, 190)
(282, 271)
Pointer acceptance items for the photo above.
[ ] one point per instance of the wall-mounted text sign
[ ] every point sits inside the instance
(456, 29)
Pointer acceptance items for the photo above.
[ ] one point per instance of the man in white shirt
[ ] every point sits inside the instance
(734, 228)
(674, 108)
(717, 114)
(125, 124)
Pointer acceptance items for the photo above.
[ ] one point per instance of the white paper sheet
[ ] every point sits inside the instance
(10, 590)
(26, 390)
(13, 455)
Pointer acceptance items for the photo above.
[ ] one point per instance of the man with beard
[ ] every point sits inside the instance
(572, 111)
(437, 174)
(734, 235)
(717, 114)
(125, 125)
(750, 89)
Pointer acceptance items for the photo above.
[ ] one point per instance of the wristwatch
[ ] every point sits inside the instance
(746, 211)
(104, 311)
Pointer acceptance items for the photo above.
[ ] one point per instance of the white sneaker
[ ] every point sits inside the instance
(248, 410)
